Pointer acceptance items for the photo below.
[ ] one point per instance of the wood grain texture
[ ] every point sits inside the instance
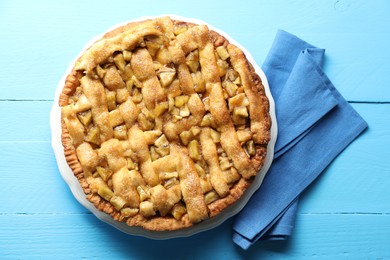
(33, 180)
(76, 236)
(18, 116)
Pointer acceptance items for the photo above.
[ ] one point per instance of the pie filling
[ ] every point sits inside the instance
(165, 123)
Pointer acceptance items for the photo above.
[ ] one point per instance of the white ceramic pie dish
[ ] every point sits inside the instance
(71, 180)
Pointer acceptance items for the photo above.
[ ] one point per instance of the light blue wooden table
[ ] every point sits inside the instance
(344, 214)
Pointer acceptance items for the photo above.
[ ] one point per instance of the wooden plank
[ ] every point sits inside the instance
(357, 181)
(356, 47)
(83, 236)
(352, 62)
(25, 121)
(30, 177)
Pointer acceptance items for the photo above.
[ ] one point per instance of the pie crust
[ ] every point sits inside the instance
(164, 123)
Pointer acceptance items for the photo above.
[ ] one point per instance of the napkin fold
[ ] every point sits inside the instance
(315, 124)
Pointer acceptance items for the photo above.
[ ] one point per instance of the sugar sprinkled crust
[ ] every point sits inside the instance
(164, 123)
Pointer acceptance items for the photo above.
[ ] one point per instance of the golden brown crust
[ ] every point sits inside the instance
(259, 108)
(235, 194)
(160, 223)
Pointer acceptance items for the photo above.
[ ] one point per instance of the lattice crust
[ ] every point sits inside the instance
(165, 123)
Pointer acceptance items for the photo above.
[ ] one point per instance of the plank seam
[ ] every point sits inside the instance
(23, 100)
(17, 142)
(346, 213)
(369, 102)
(44, 214)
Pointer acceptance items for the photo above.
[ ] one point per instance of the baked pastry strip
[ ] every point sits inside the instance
(209, 152)
(190, 185)
(138, 143)
(219, 110)
(258, 106)
(94, 91)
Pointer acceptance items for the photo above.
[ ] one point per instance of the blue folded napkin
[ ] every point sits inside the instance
(315, 124)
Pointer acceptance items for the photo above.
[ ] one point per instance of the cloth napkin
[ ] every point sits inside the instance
(315, 124)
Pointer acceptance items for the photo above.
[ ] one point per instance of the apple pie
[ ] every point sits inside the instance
(164, 123)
